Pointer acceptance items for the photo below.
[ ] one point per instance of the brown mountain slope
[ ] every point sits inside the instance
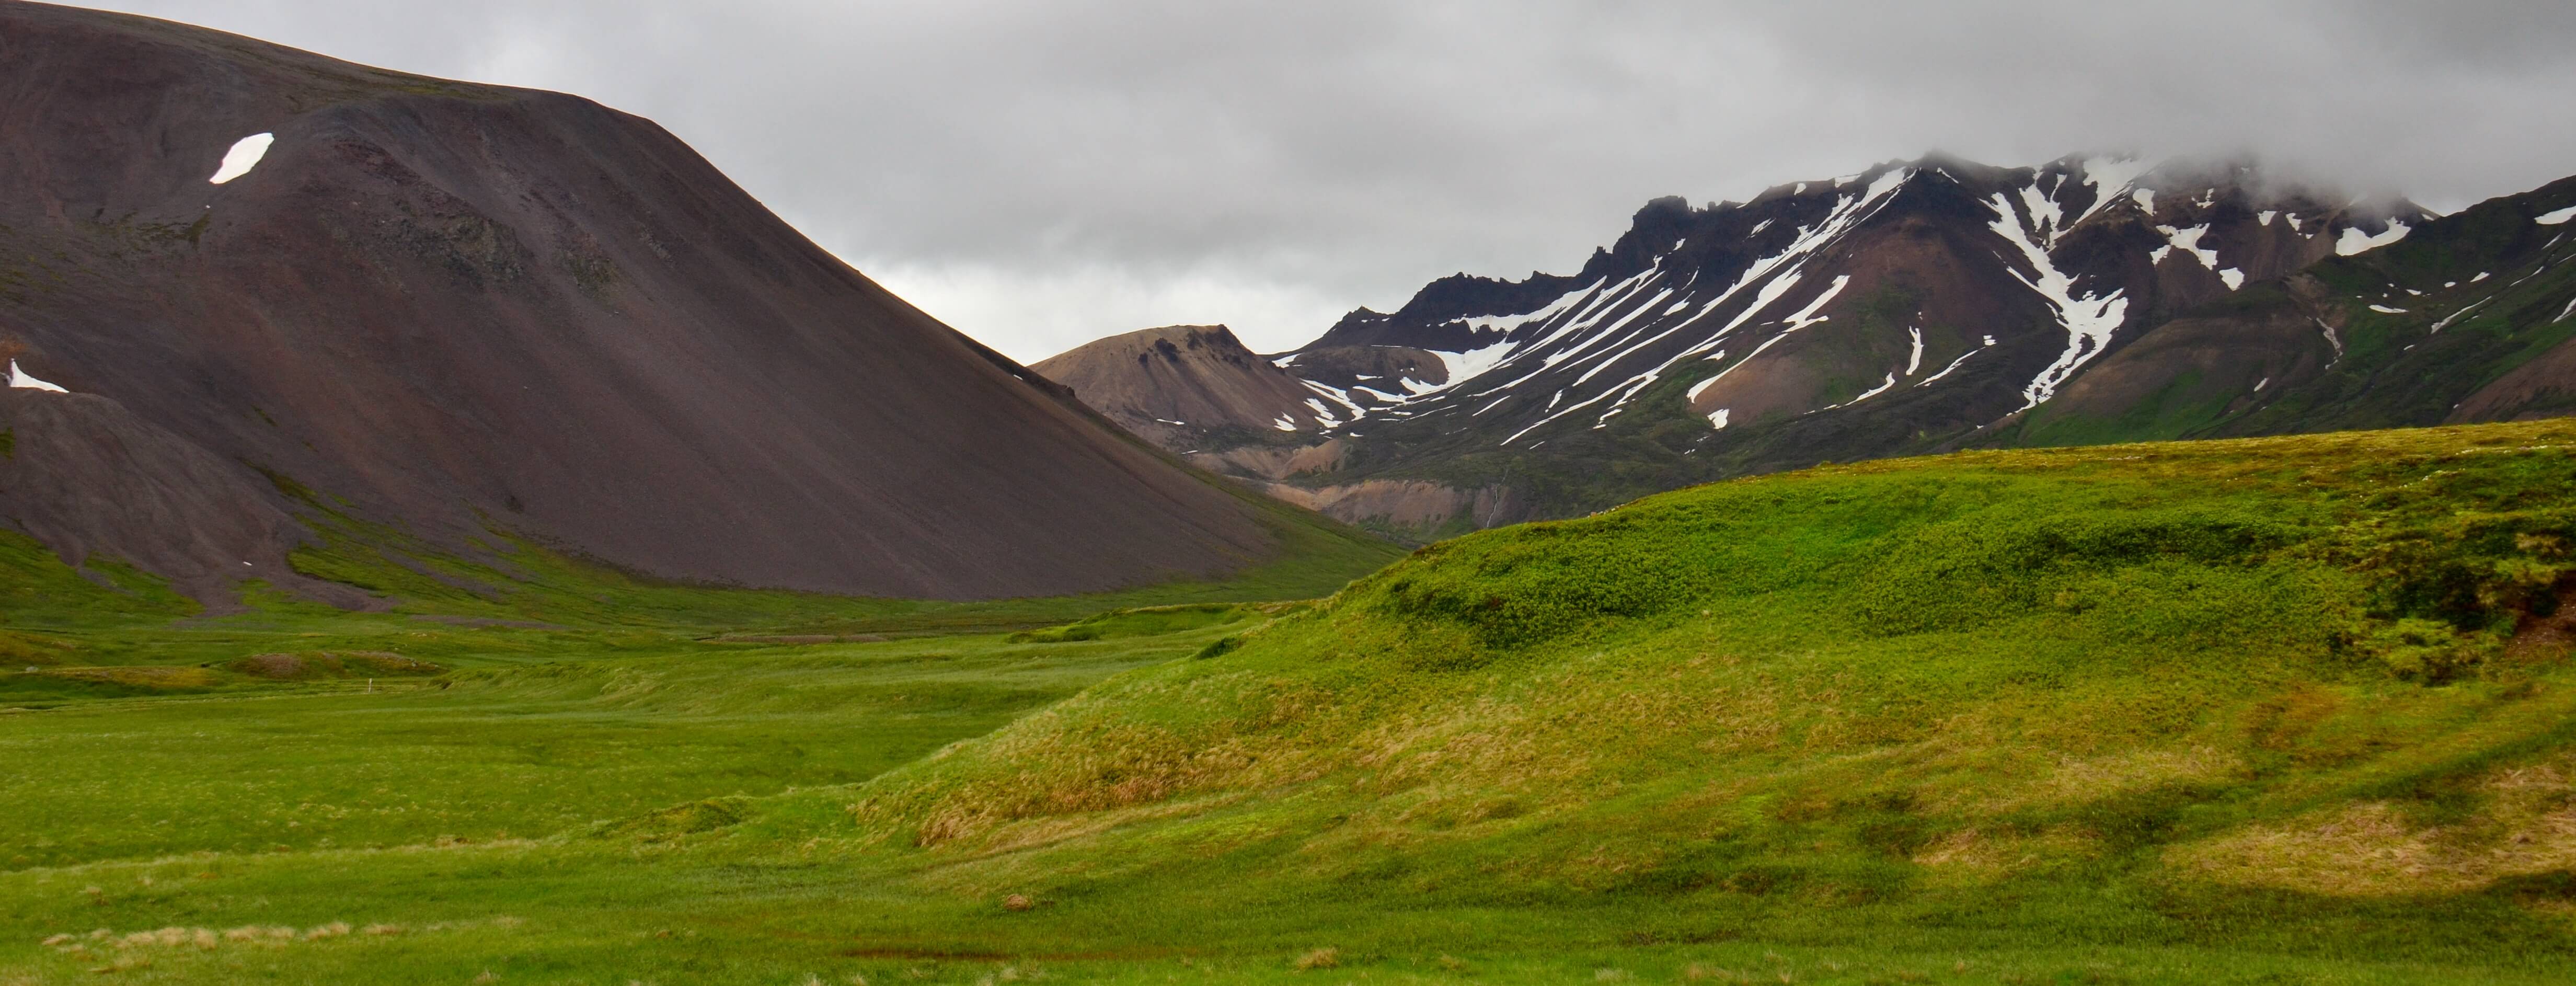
(449, 305)
(177, 509)
(1178, 384)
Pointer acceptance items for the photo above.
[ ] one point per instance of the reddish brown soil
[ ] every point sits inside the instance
(1200, 376)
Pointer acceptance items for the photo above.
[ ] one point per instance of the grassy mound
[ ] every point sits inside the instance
(2304, 695)
(1148, 621)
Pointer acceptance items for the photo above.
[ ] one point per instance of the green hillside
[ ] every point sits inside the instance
(2276, 710)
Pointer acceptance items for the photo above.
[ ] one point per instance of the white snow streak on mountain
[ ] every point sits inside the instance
(2088, 320)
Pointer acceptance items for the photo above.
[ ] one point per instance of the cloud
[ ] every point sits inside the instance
(1040, 172)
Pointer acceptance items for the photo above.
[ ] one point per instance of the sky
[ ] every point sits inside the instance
(1039, 173)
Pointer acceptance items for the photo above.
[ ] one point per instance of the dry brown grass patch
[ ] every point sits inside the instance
(2527, 825)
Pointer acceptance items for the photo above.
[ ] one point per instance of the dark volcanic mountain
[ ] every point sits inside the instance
(446, 306)
(1908, 308)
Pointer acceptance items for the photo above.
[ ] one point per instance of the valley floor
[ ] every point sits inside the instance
(2149, 766)
(597, 819)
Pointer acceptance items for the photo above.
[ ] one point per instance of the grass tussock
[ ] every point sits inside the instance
(1321, 958)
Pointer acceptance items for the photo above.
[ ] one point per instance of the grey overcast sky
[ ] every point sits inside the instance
(1043, 172)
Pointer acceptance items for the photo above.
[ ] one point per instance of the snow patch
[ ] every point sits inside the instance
(2146, 200)
(2331, 340)
(2260, 384)
(1867, 394)
(2109, 177)
(1462, 367)
(1807, 316)
(2265, 217)
(2234, 278)
(19, 379)
(2556, 218)
(2046, 217)
(1945, 371)
(2385, 310)
(244, 156)
(2355, 241)
(2457, 315)
(2188, 241)
(1915, 361)
(1717, 419)
(1284, 424)
(1339, 396)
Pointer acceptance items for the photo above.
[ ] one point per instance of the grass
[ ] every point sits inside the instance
(2268, 711)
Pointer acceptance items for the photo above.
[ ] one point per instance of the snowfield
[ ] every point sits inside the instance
(245, 155)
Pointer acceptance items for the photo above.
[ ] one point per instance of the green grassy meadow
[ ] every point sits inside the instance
(2291, 710)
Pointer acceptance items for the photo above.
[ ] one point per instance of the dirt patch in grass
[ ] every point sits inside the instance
(329, 664)
(137, 677)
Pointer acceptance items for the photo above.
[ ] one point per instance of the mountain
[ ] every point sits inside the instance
(1185, 385)
(271, 284)
(1912, 307)
(2471, 318)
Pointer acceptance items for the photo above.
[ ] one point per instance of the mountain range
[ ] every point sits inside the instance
(1912, 307)
(245, 287)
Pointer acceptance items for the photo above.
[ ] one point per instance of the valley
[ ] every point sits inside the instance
(2224, 711)
(452, 533)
